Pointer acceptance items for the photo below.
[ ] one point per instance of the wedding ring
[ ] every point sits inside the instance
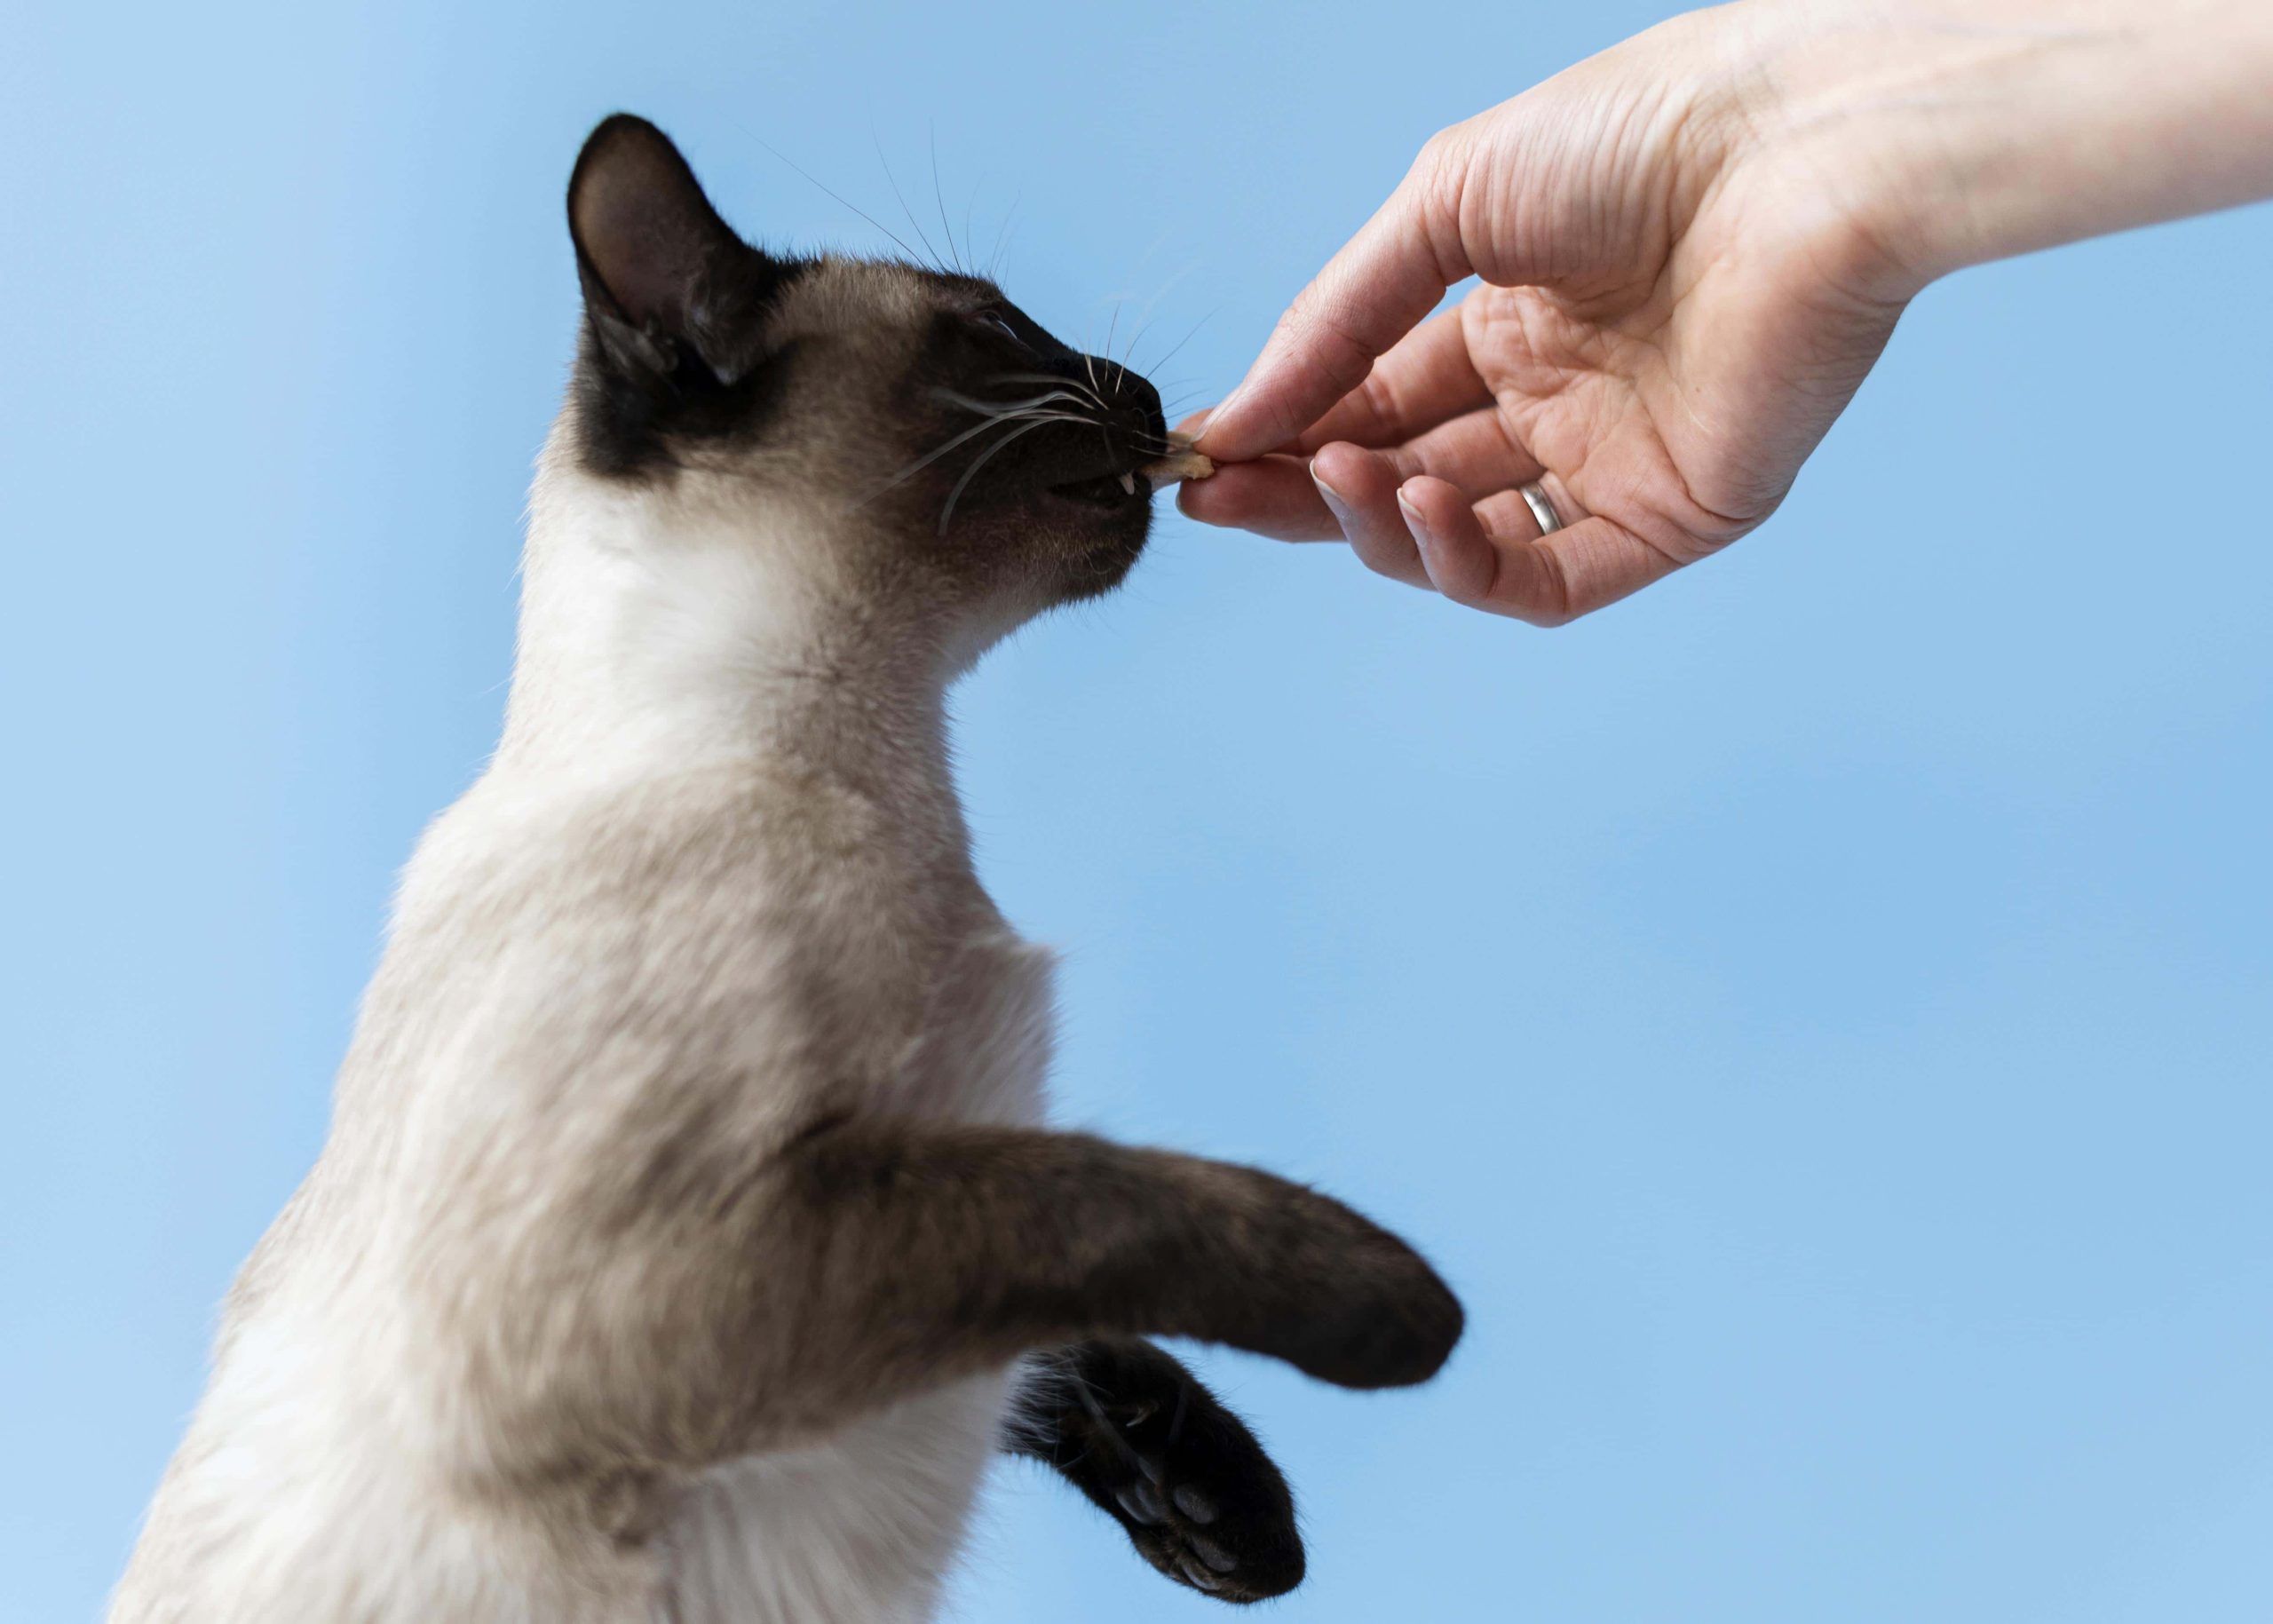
(1541, 508)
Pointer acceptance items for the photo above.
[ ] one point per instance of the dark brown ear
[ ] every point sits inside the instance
(667, 282)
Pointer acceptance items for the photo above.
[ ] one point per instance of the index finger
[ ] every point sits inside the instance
(1426, 379)
(1370, 294)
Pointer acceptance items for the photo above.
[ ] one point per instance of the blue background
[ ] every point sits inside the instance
(1818, 1012)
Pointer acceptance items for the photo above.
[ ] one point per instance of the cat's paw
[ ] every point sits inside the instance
(1196, 1493)
(1364, 1309)
(1206, 1506)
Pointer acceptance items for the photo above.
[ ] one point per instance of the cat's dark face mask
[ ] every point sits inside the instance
(961, 450)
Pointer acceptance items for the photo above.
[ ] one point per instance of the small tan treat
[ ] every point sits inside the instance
(1181, 464)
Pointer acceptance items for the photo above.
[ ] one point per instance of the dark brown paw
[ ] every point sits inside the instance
(1404, 1340)
(1205, 1505)
(1375, 1313)
(1196, 1495)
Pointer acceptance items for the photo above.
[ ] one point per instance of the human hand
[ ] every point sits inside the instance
(1671, 318)
(1693, 247)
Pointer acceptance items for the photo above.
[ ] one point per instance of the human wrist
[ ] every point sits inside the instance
(1943, 133)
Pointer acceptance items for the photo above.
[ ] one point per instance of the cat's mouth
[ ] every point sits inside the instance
(1112, 491)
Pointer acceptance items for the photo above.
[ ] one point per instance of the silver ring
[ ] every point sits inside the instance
(1541, 508)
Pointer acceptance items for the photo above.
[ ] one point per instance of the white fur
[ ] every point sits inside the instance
(333, 1473)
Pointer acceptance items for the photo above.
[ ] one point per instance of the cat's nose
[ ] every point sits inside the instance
(1156, 423)
(1132, 399)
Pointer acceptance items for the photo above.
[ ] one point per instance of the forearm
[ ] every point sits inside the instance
(1977, 129)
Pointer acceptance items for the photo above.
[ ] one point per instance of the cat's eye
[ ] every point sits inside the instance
(1000, 323)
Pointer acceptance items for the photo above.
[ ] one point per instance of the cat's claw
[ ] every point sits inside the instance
(1138, 1500)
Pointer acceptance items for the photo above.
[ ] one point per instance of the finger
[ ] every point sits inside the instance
(1490, 555)
(1476, 452)
(1273, 496)
(1276, 495)
(1359, 489)
(1370, 294)
(1426, 378)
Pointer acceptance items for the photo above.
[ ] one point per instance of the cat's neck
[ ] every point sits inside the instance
(657, 633)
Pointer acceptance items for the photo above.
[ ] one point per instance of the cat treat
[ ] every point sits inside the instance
(1180, 464)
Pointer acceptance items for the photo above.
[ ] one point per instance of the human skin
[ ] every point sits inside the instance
(1692, 248)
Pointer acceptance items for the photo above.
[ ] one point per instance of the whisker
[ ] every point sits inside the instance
(971, 403)
(978, 462)
(1083, 419)
(1187, 339)
(1137, 438)
(1003, 411)
(1046, 377)
(832, 191)
(1151, 306)
(936, 452)
(891, 181)
(1003, 237)
(1128, 350)
(969, 244)
(940, 197)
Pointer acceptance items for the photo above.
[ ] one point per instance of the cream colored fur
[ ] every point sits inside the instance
(711, 728)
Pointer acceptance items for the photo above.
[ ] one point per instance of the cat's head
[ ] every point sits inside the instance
(932, 441)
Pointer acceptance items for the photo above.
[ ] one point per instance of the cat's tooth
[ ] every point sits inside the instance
(1129, 485)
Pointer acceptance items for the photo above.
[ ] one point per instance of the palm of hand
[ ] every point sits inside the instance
(1681, 407)
(1663, 334)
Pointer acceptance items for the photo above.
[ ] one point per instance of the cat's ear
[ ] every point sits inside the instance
(667, 282)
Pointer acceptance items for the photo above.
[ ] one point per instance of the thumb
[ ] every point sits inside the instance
(1369, 296)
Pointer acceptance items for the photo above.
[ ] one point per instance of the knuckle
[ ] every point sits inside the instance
(1378, 398)
(1440, 149)
(1466, 583)
(1467, 592)
(1384, 554)
(1540, 617)
(1436, 195)
(1435, 175)
(1557, 608)
(1377, 558)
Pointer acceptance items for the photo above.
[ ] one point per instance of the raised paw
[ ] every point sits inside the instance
(1354, 1304)
(1145, 1440)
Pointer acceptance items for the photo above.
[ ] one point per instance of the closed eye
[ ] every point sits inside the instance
(1000, 323)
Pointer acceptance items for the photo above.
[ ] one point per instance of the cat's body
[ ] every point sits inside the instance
(685, 1210)
(824, 927)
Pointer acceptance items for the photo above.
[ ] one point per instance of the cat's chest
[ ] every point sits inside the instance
(983, 1049)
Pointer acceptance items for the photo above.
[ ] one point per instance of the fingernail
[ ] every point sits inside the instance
(1422, 536)
(1334, 501)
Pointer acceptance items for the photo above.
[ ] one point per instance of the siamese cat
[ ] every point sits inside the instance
(687, 1238)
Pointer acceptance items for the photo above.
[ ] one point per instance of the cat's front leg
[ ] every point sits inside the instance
(1128, 1425)
(733, 1308)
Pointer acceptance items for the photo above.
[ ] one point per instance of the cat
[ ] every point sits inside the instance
(686, 1238)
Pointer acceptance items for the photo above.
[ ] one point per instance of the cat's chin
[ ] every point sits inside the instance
(1114, 541)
